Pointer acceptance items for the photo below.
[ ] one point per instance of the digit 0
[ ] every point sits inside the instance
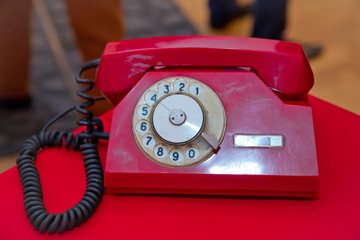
(192, 153)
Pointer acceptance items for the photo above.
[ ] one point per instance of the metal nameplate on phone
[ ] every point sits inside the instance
(258, 141)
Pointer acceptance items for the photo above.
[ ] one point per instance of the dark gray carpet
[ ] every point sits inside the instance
(143, 18)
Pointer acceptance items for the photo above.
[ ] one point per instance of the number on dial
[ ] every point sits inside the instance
(148, 141)
(160, 151)
(143, 111)
(142, 126)
(151, 98)
(180, 85)
(176, 156)
(164, 88)
(192, 153)
(195, 89)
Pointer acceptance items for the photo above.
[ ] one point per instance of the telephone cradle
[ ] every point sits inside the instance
(209, 115)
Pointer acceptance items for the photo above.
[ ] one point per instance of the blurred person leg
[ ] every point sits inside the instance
(95, 23)
(270, 23)
(270, 19)
(18, 120)
(14, 53)
(224, 11)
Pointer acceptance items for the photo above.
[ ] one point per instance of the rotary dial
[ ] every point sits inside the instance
(178, 122)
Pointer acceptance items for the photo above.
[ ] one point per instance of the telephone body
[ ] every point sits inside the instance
(209, 115)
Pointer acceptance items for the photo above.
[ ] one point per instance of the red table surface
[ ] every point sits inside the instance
(334, 215)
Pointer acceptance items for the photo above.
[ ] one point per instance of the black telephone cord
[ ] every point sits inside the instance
(86, 143)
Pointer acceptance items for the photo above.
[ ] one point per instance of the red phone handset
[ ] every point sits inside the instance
(282, 66)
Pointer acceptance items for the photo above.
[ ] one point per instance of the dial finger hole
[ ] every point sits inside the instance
(192, 153)
(160, 151)
(176, 155)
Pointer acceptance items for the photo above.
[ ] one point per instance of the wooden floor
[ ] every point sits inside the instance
(334, 24)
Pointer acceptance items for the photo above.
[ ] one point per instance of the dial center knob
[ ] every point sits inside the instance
(177, 117)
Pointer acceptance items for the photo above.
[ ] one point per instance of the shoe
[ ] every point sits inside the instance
(15, 104)
(219, 21)
(311, 50)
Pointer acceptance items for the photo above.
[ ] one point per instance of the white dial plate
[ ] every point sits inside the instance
(178, 118)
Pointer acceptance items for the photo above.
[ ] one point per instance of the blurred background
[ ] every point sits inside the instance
(55, 57)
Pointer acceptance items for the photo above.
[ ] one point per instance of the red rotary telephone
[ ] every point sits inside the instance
(209, 115)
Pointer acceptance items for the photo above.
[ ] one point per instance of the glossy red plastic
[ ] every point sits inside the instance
(282, 66)
(251, 108)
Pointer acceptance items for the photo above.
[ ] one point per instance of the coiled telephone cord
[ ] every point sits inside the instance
(86, 143)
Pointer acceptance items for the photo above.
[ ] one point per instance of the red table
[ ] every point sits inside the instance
(335, 215)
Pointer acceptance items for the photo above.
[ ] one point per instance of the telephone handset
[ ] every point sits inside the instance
(282, 66)
(209, 115)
